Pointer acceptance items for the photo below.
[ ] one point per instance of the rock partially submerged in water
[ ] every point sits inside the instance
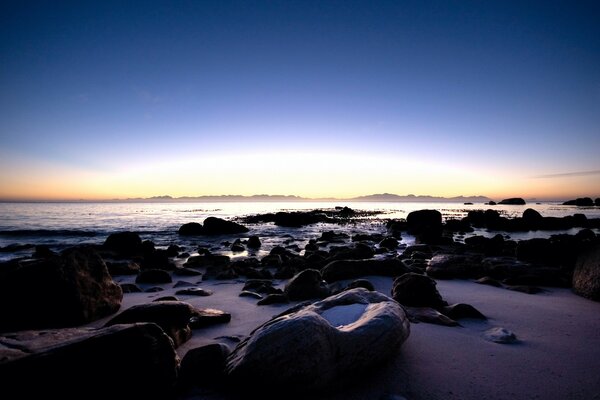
(212, 226)
(60, 291)
(305, 285)
(513, 201)
(124, 361)
(349, 269)
(349, 333)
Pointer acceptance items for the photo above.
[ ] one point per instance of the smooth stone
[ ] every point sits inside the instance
(204, 317)
(194, 291)
(500, 335)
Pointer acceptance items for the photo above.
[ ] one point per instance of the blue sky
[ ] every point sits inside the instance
(94, 97)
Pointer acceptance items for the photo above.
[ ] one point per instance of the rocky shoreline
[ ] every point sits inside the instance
(61, 310)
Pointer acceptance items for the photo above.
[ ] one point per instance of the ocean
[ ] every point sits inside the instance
(60, 225)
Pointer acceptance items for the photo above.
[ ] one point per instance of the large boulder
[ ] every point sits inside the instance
(59, 291)
(426, 225)
(124, 243)
(124, 361)
(172, 316)
(305, 285)
(580, 202)
(303, 351)
(191, 229)
(414, 290)
(586, 277)
(350, 269)
(218, 226)
(450, 266)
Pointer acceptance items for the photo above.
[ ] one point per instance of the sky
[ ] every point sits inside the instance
(104, 100)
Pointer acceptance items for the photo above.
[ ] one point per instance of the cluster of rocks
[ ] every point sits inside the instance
(302, 218)
(583, 202)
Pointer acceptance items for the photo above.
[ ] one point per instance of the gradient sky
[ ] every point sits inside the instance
(312, 98)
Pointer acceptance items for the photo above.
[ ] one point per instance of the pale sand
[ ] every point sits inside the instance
(557, 356)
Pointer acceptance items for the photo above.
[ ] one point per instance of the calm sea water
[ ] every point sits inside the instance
(59, 224)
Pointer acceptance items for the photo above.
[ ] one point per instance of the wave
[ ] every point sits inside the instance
(48, 232)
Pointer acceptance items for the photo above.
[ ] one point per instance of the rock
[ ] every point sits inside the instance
(252, 295)
(363, 283)
(253, 242)
(304, 351)
(172, 316)
(350, 269)
(218, 226)
(305, 285)
(237, 246)
(274, 299)
(130, 288)
(580, 202)
(331, 236)
(138, 360)
(67, 290)
(191, 229)
(207, 261)
(586, 277)
(43, 251)
(359, 251)
(525, 289)
(389, 243)
(500, 335)
(450, 266)
(153, 276)
(208, 316)
(513, 201)
(461, 310)
(123, 268)
(491, 203)
(184, 271)
(124, 243)
(165, 298)
(194, 292)
(597, 202)
(429, 316)
(204, 366)
(173, 250)
(154, 289)
(179, 284)
(426, 225)
(532, 219)
(486, 280)
(414, 290)
(299, 218)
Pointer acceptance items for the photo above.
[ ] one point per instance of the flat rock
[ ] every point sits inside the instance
(350, 269)
(194, 291)
(208, 316)
(303, 351)
(500, 335)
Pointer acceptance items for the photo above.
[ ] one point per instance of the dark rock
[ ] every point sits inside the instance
(273, 299)
(359, 251)
(252, 295)
(586, 277)
(532, 219)
(156, 259)
(461, 310)
(580, 202)
(367, 237)
(207, 317)
(204, 366)
(525, 289)
(389, 243)
(237, 248)
(331, 236)
(513, 201)
(429, 316)
(450, 266)
(172, 316)
(194, 292)
(350, 269)
(173, 250)
(597, 202)
(153, 276)
(486, 280)
(186, 272)
(69, 290)
(154, 289)
(130, 288)
(307, 284)
(361, 283)
(166, 298)
(218, 226)
(426, 225)
(414, 290)
(124, 243)
(179, 284)
(13, 248)
(304, 351)
(253, 242)
(206, 261)
(458, 225)
(123, 268)
(491, 203)
(138, 359)
(191, 229)
(43, 251)
(299, 218)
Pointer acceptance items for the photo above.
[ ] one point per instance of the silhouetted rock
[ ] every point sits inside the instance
(125, 361)
(153, 276)
(299, 218)
(130, 288)
(207, 317)
(414, 290)
(586, 277)
(67, 290)
(123, 268)
(172, 316)
(124, 243)
(461, 310)
(194, 291)
(191, 229)
(218, 226)
(580, 202)
(597, 202)
(253, 242)
(43, 251)
(528, 289)
(305, 350)
(360, 283)
(306, 285)
(491, 203)
(275, 298)
(513, 201)
(204, 366)
(532, 219)
(450, 266)
(184, 271)
(359, 251)
(349, 269)
(426, 225)
(389, 243)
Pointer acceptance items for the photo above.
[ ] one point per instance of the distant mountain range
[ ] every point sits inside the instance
(383, 197)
